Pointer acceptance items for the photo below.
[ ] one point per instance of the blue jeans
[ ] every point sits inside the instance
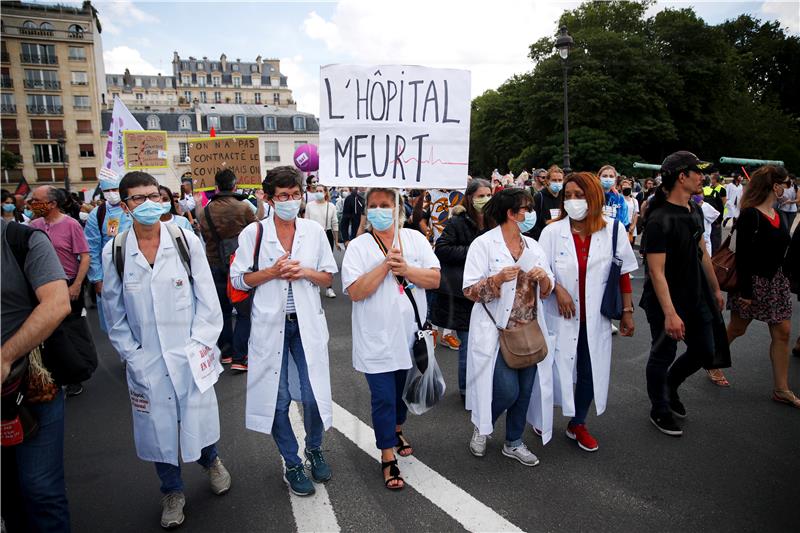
(388, 408)
(463, 336)
(281, 427)
(170, 474)
(584, 388)
(33, 475)
(232, 337)
(511, 392)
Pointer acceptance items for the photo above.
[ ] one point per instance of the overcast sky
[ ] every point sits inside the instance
(490, 38)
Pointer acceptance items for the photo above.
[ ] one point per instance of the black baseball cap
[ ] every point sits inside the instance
(683, 160)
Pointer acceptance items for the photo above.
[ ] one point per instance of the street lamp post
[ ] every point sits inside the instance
(61, 144)
(563, 44)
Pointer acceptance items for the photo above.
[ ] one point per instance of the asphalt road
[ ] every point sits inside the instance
(736, 468)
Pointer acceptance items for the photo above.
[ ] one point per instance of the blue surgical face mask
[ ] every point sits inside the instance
(287, 210)
(167, 207)
(319, 196)
(556, 186)
(528, 223)
(148, 212)
(28, 213)
(607, 183)
(8, 208)
(381, 218)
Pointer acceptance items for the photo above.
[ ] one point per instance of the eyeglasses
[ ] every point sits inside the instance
(284, 197)
(140, 198)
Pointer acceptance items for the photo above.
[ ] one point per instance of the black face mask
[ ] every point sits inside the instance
(626, 191)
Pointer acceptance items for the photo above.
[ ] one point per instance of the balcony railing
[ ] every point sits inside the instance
(77, 58)
(38, 134)
(36, 32)
(39, 161)
(75, 34)
(46, 109)
(6, 82)
(79, 82)
(39, 60)
(10, 134)
(84, 131)
(81, 107)
(8, 108)
(46, 85)
(47, 33)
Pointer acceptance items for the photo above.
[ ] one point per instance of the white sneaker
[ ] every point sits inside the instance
(477, 444)
(522, 454)
(329, 292)
(172, 510)
(219, 477)
(614, 329)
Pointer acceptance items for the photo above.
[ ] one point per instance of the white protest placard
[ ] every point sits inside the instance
(397, 126)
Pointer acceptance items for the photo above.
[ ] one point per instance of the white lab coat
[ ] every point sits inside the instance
(710, 214)
(384, 326)
(487, 256)
(556, 239)
(733, 196)
(151, 318)
(265, 348)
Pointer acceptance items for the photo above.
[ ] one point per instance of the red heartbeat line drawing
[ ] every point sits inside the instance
(430, 161)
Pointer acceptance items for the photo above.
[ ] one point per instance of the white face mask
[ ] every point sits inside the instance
(576, 209)
(83, 215)
(112, 197)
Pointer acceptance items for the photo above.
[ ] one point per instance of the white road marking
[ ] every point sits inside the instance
(311, 513)
(460, 505)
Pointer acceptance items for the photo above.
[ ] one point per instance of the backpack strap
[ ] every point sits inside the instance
(118, 247)
(614, 238)
(17, 236)
(179, 240)
(257, 251)
(101, 217)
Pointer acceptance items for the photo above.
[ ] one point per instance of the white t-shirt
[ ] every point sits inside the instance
(789, 195)
(323, 214)
(633, 210)
(383, 323)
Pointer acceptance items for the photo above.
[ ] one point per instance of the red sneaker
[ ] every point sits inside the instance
(579, 433)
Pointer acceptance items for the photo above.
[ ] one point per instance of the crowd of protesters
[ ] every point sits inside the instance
(179, 278)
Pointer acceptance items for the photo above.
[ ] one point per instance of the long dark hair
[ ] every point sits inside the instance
(164, 188)
(472, 188)
(417, 211)
(761, 183)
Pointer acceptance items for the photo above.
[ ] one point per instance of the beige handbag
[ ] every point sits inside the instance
(522, 347)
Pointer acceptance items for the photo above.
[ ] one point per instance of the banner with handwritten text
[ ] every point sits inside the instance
(209, 155)
(145, 149)
(396, 126)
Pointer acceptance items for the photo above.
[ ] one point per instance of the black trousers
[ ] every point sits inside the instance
(716, 237)
(665, 376)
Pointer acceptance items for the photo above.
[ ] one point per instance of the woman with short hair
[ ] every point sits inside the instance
(507, 273)
(381, 271)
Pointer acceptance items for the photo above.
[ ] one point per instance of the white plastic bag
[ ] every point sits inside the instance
(424, 388)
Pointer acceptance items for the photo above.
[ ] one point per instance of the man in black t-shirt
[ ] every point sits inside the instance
(681, 289)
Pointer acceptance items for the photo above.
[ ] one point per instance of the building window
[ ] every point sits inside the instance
(187, 95)
(271, 152)
(76, 31)
(183, 150)
(9, 104)
(47, 129)
(80, 78)
(203, 97)
(86, 150)
(235, 67)
(276, 98)
(44, 103)
(184, 65)
(47, 153)
(43, 54)
(216, 81)
(29, 25)
(184, 123)
(257, 96)
(298, 144)
(237, 81)
(186, 80)
(77, 53)
(153, 82)
(239, 122)
(84, 126)
(46, 26)
(89, 173)
(42, 79)
(299, 123)
(213, 122)
(200, 66)
(253, 68)
(153, 123)
(81, 102)
(138, 82)
(201, 81)
(217, 97)
(139, 97)
(270, 124)
(237, 98)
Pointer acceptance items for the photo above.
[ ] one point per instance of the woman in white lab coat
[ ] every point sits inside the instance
(578, 246)
(384, 326)
(509, 274)
(294, 261)
(161, 318)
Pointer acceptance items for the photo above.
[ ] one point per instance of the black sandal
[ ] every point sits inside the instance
(403, 445)
(394, 474)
